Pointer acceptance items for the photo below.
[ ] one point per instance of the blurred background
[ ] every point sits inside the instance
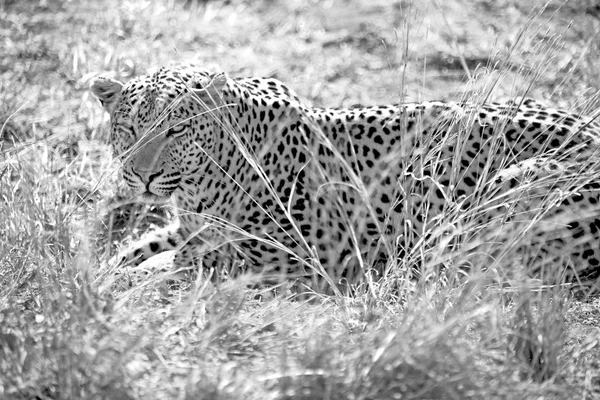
(332, 52)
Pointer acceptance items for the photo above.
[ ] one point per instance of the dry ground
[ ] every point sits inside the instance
(65, 333)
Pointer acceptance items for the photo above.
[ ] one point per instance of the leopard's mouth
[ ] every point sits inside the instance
(145, 198)
(151, 198)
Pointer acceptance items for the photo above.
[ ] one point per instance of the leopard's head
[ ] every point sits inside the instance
(162, 125)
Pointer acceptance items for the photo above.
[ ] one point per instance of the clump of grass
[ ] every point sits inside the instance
(52, 335)
(536, 339)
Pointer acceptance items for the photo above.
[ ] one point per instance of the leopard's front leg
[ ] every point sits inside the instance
(151, 244)
(191, 254)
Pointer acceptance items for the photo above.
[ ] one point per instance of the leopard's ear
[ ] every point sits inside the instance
(209, 90)
(107, 91)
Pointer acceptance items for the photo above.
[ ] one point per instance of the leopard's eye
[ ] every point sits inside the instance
(176, 130)
(123, 135)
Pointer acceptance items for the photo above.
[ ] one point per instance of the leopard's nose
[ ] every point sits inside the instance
(147, 160)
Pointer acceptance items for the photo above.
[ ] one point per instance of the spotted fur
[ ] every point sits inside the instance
(263, 182)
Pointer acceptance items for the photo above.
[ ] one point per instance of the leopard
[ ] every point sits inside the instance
(262, 182)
